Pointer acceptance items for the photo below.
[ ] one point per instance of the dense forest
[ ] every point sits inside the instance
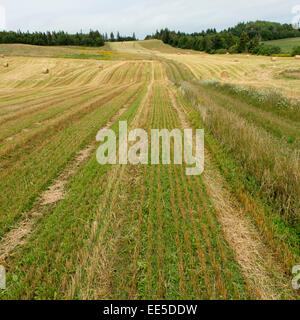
(245, 37)
(61, 38)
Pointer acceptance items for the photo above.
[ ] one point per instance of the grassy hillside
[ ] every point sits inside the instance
(158, 45)
(286, 45)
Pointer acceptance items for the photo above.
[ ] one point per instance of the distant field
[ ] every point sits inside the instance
(71, 228)
(72, 52)
(35, 51)
(286, 45)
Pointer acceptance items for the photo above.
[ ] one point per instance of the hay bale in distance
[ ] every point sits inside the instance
(273, 59)
(236, 60)
(2, 56)
(225, 74)
(45, 71)
(297, 56)
(5, 65)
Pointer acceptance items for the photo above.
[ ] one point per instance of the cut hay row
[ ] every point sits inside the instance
(77, 110)
(52, 101)
(99, 276)
(20, 233)
(183, 235)
(176, 72)
(148, 288)
(171, 73)
(261, 286)
(286, 131)
(186, 284)
(144, 72)
(137, 286)
(20, 111)
(44, 111)
(125, 73)
(74, 77)
(107, 76)
(59, 254)
(276, 168)
(97, 76)
(261, 219)
(261, 215)
(54, 194)
(255, 70)
(120, 261)
(182, 221)
(41, 136)
(252, 255)
(16, 122)
(40, 111)
(26, 96)
(162, 266)
(43, 96)
(207, 228)
(270, 100)
(50, 157)
(63, 72)
(126, 282)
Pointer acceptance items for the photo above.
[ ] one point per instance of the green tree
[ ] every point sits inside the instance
(243, 42)
(112, 37)
(254, 43)
(230, 40)
(165, 36)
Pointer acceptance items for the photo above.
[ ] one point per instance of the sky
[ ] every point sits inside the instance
(140, 16)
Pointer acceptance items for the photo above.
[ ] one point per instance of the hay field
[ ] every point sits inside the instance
(73, 229)
(243, 70)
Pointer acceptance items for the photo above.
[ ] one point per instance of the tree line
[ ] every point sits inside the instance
(118, 37)
(245, 37)
(61, 38)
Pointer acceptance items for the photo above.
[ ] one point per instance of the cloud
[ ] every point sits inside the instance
(2, 18)
(141, 16)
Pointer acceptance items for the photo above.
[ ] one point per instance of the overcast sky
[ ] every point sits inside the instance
(141, 16)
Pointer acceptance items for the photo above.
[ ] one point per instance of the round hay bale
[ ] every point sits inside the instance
(225, 74)
(248, 55)
(273, 59)
(45, 71)
(2, 56)
(297, 56)
(236, 60)
(227, 53)
(5, 65)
